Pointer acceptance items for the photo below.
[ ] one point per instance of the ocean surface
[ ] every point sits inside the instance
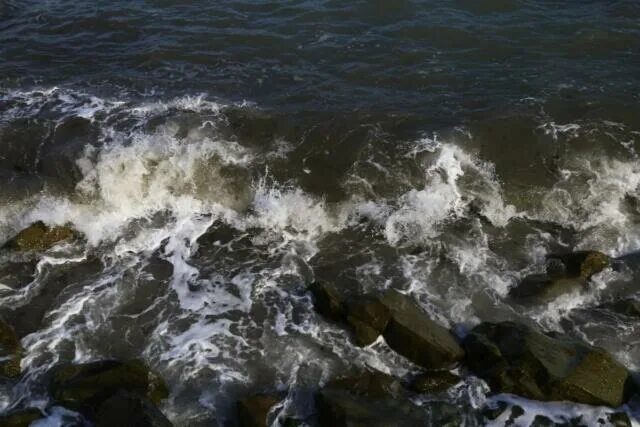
(219, 156)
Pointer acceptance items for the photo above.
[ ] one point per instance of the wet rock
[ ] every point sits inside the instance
(542, 287)
(411, 333)
(86, 387)
(629, 307)
(368, 318)
(328, 302)
(582, 264)
(20, 417)
(254, 411)
(369, 399)
(565, 273)
(517, 359)
(38, 237)
(619, 419)
(10, 351)
(129, 409)
(434, 382)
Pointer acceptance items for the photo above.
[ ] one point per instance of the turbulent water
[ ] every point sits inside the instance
(219, 156)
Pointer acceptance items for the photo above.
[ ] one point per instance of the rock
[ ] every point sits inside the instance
(517, 359)
(376, 399)
(582, 264)
(565, 273)
(368, 318)
(39, 237)
(253, 411)
(129, 409)
(20, 418)
(542, 287)
(328, 302)
(434, 382)
(86, 387)
(411, 333)
(619, 419)
(10, 351)
(629, 307)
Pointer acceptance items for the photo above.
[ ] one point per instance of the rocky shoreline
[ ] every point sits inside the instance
(512, 358)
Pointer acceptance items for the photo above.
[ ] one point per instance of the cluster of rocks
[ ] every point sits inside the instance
(106, 393)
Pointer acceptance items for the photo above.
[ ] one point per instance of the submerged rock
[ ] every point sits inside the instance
(411, 333)
(87, 387)
(254, 411)
(129, 409)
(434, 382)
(10, 351)
(565, 273)
(38, 237)
(517, 359)
(628, 307)
(20, 417)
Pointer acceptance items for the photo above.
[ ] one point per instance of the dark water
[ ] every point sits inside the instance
(219, 156)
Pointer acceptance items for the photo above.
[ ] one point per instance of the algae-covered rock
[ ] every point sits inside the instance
(10, 351)
(39, 236)
(129, 409)
(434, 382)
(514, 358)
(253, 411)
(20, 417)
(565, 273)
(411, 333)
(85, 387)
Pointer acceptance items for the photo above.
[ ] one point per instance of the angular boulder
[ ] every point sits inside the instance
(254, 411)
(514, 358)
(20, 417)
(565, 273)
(129, 409)
(378, 400)
(10, 351)
(86, 387)
(39, 237)
(328, 302)
(411, 333)
(368, 317)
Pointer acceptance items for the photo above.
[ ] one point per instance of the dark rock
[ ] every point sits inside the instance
(517, 359)
(129, 409)
(434, 382)
(10, 351)
(411, 333)
(543, 287)
(619, 419)
(20, 418)
(86, 387)
(378, 400)
(253, 411)
(328, 301)
(565, 273)
(368, 318)
(39, 237)
(582, 264)
(629, 307)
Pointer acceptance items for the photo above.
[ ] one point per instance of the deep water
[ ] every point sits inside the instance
(217, 157)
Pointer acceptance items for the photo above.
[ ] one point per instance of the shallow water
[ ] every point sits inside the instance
(220, 156)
